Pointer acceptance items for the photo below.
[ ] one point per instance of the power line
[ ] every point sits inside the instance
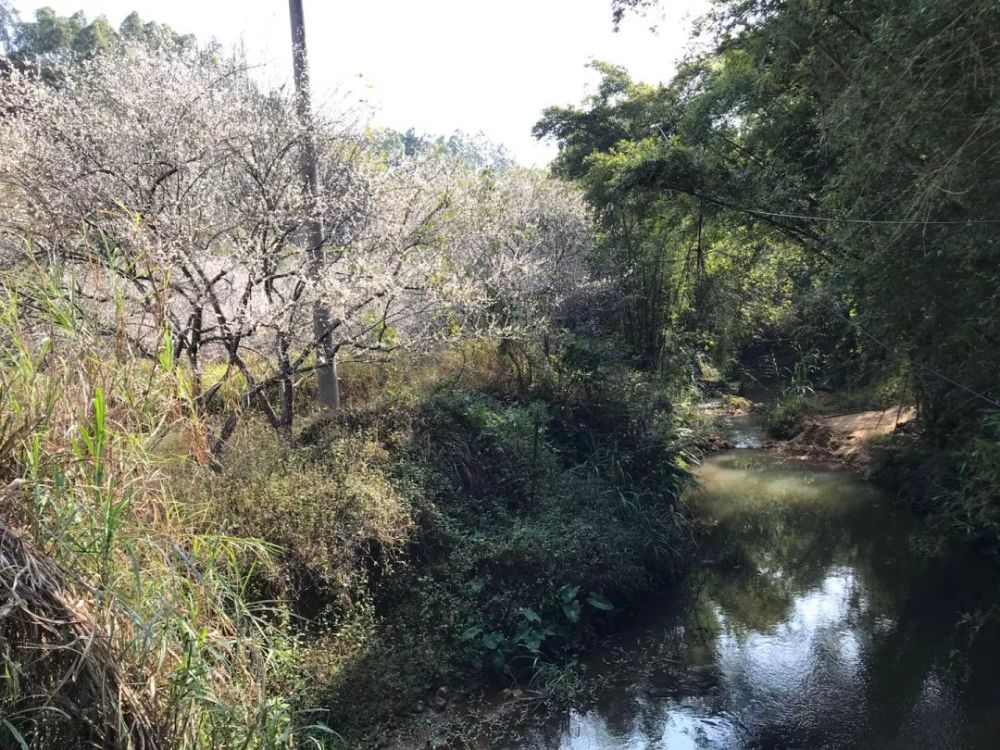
(658, 126)
(927, 368)
(892, 350)
(893, 222)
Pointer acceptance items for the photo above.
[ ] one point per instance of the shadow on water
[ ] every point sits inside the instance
(817, 618)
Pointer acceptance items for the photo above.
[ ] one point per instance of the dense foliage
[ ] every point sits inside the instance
(194, 553)
(821, 177)
(165, 187)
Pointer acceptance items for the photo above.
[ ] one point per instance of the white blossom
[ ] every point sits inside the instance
(167, 189)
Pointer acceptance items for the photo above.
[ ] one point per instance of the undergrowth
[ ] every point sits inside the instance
(124, 618)
(479, 516)
(473, 516)
(786, 416)
(954, 482)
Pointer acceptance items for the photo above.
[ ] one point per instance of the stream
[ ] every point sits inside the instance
(820, 616)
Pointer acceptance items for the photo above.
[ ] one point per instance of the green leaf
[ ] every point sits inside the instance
(530, 615)
(18, 737)
(530, 638)
(572, 611)
(599, 602)
(568, 593)
(469, 633)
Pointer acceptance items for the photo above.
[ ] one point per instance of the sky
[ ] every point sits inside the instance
(435, 65)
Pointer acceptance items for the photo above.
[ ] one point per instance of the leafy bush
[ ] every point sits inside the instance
(785, 418)
(737, 403)
(970, 505)
(539, 516)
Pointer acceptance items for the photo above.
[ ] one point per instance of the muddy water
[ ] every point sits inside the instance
(820, 616)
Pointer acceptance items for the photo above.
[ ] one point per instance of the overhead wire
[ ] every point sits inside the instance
(922, 365)
(846, 220)
(887, 347)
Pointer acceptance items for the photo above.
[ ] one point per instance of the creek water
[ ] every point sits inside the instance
(820, 616)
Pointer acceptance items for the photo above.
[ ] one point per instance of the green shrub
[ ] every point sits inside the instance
(786, 417)
(955, 483)
(969, 503)
(737, 403)
(540, 515)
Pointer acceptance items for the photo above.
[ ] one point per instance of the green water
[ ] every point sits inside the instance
(820, 616)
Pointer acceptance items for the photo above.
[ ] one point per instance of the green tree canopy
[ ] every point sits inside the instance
(858, 136)
(51, 38)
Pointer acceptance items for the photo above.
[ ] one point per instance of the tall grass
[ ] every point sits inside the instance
(125, 616)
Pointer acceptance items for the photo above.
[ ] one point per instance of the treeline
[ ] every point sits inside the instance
(818, 178)
(51, 39)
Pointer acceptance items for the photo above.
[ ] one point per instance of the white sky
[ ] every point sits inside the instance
(435, 65)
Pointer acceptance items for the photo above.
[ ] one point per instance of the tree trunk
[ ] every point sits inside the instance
(328, 389)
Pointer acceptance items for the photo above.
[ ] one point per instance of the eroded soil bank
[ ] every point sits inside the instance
(844, 438)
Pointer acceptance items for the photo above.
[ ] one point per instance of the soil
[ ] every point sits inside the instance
(844, 438)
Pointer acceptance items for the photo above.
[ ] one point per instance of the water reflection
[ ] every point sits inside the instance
(815, 621)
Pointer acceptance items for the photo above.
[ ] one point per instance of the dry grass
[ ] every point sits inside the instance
(65, 682)
(125, 621)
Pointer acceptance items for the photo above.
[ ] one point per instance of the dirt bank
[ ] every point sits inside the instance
(844, 438)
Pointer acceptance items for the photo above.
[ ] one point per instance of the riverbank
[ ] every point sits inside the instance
(473, 517)
(812, 588)
(509, 510)
(844, 438)
(816, 430)
(721, 427)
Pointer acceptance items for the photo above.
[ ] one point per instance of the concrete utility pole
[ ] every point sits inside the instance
(326, 371)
